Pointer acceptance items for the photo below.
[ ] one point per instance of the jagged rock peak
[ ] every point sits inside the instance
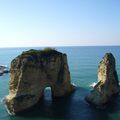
(108, 84)
(33, 71)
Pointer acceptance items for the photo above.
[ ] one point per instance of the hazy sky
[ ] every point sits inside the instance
(59, 22)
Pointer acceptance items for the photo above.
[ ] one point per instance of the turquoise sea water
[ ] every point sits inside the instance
(83, 63)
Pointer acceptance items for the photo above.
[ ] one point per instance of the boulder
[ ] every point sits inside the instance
(3, 69)
(33, 71)
(108, 84)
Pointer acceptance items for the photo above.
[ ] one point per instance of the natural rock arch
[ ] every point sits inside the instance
(31, 72)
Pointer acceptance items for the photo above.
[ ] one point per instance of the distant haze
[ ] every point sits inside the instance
(26, 23)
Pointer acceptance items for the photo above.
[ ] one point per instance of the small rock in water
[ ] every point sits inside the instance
(3, 69)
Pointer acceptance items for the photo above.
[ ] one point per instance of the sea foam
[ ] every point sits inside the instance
(74, 84)
(2, 100)
(93, 84)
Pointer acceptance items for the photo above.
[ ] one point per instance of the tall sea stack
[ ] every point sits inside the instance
(33, 71)
(108, 84)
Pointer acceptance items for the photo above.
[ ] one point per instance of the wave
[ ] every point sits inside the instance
(74, 84)
(8, 110)
(2, 100)
(93, 84)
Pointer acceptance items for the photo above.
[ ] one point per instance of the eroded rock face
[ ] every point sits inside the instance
(31, 72)
(108, 84)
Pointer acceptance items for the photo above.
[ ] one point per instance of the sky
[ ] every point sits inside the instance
(35, 23)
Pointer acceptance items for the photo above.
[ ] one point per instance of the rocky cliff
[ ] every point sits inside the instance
(33, 71)
(107, 85)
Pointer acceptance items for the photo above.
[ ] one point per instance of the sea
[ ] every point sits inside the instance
(83, 64)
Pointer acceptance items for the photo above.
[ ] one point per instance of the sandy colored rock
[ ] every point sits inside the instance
(33, 71)
(108, 84)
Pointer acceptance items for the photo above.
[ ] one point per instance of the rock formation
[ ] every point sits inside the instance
(3, 69)
(108, 84)
(31, 72)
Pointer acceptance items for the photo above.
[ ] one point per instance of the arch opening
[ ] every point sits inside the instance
(47, 93)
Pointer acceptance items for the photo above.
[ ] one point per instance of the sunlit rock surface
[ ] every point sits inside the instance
(108, 84)
(33, 71)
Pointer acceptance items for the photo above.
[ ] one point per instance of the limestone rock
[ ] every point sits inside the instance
(108, 84)
(31, 72)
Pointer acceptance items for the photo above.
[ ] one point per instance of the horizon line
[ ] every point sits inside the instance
(62, 46)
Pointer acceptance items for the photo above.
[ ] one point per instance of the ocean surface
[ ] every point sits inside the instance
(83, 64)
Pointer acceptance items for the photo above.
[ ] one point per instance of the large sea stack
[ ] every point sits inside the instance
(108, 84)
(33, 71)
